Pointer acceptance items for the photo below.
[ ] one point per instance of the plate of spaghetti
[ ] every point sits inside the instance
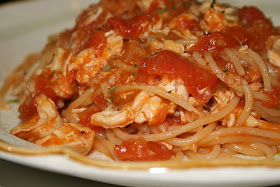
(165, 91)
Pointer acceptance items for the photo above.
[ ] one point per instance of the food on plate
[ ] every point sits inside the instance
(155, 80)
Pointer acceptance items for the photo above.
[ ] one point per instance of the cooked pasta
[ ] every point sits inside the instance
(155, 80)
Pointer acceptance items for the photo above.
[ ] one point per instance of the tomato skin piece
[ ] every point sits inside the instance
(43, 85)
(216, 42)
(172, 65)
(97, 41)
(132, 28)
(140, 150)
(251, 14)
(27, 109)
(273, 97)
(85, 119)
(236, 32)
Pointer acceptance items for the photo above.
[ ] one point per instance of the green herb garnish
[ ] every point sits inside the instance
(188, 5)
(225, 70)
(213, 3)
(13, 101)
(108, 68)
(135, 66)
(170, 91)
(112, 89)
(162, 10)
(133, 74)
(153, 37)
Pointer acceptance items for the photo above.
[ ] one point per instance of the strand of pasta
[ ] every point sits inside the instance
(197, 57)
(249, 99)
(192, 139)
(184, 128)
(266, 116)
(112, 137)
(159, 91)
(230, 79)
(246, 150)
(235, 62)
(213, 154)
(244, 57)
(223, 132)
(238, 139)
(267, 150)
(82, 100)
(269, 111)
(263, 68)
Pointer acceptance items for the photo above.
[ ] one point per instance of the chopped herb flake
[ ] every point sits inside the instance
(112, 89)
(213, 3)
(13, 101)
(52, 74)
(162, 10)
(108, 68)
(173, 7)
(170, 91)
(188, 5)
(206, 32)
(225, 70)
(134, 74)
(135, 65)
(153, 37)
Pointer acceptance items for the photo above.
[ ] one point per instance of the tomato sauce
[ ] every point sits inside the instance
(85, 119)
(140, 150)
(216, 42)
(172, 65)
(97, 41)
(273, 97)
(257, 27)
(43, 85)
(131, 28)
(183, 23)
(251, 14)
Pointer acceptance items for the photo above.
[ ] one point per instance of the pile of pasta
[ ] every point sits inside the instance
(155, 80)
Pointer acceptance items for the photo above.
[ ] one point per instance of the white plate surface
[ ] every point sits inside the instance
(24, 28)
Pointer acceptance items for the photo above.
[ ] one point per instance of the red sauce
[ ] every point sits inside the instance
(43, 85)
(215, 42)
(27, 109)
(273, 97)
(250, 14)
(257, 27)
(183, 23)
(172, 65)
(99, 100)
(85, 119)
(236, 32)
(171, 121)
(140, 150)
(97, 41)
(131, 28)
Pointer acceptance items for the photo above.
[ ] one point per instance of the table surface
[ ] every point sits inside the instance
(15, 175)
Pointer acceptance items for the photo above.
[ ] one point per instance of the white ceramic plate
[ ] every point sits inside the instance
(24, 28)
